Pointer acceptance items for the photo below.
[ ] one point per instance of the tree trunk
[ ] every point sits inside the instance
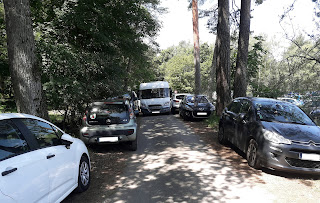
(196, 51)
(223, 56)
(24, 69)
(213, 71)
(240, 80)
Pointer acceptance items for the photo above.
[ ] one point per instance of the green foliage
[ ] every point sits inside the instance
(213, 121)
(92, 50)
(7, 103)
(177, 66)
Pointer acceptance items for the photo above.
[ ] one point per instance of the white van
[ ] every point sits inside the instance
(154, 97)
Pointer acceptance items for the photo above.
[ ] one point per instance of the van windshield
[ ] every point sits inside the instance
(155, 93)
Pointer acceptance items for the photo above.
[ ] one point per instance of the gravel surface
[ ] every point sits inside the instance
(239, 183)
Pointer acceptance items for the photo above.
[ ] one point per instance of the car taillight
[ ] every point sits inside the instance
(84, 118)
(130, 132)
(85, 134)
(131, 113)
(177, 101)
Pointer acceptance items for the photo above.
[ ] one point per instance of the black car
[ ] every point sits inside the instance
(272, 133)
(195, 107)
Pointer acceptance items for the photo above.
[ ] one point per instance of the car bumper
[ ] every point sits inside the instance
(291, 158)
(155, 111)
(200, 114)
(108, 134)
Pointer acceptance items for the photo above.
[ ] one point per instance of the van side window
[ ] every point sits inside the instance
(12, 142)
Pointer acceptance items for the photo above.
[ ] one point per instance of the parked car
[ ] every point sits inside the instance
(175, 101)
(38, 161)
(109, 122)
(291, 100)
(195, 107)
(272, 133)
(315, 113)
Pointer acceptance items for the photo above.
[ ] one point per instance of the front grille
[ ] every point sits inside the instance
(309, 143)
(155, 107)
(303, 163)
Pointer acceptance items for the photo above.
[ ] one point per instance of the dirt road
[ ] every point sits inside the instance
(180, 161)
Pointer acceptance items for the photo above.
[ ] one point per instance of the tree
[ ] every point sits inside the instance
(196, 46)
(240, 80)
(24, 68)
(223, 56)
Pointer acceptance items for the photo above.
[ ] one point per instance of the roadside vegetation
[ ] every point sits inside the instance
(94, 50)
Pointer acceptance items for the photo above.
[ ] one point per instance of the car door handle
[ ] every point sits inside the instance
(50, 156)
(8, 171)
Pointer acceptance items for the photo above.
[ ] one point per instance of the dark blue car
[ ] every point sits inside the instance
(272, 133)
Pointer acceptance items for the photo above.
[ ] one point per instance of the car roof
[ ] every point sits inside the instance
(18, 115)
(261, 99)
(109, 101)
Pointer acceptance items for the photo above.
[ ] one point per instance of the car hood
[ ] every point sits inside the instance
(295, 132)
(203, 105)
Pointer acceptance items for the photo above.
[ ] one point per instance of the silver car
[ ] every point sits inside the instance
(109, 122)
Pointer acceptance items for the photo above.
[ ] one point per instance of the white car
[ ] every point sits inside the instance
(38, 161)
(176, 100)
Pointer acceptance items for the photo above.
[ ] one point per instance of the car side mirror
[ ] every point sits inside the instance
(242, 117)
(66, 140)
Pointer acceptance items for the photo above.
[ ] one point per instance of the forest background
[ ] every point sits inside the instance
(92, 50)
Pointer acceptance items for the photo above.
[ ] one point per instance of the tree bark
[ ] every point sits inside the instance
(196, 51)
(24, 69)
(213, 71)
(223, 56)
(240, 80)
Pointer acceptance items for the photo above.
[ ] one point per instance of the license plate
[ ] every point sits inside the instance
(202, 113)
(108, 139)
(310, 157)
(155, 111)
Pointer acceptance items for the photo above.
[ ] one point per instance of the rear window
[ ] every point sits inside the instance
(180, 96)
(108, 114)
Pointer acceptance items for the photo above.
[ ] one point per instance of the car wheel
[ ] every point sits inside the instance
(187, 115)
(221, 137)
(133, 145)
(252, 154)
(173, 110)
(84, 174)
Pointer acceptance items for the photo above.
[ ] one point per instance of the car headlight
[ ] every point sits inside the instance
(212, 108)
(275, 137)
(188, 108)
(143, 105)
(166, 104)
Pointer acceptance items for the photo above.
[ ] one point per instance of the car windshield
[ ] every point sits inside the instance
(155, 93)
(108, 114)
(281, 112)
(199, 99)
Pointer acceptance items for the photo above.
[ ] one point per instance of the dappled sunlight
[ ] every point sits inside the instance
(174, 165)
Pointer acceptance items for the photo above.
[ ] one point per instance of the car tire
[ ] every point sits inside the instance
(221, 136)
(173, 110)
(133, 145)
(252, 154)
(84, 174)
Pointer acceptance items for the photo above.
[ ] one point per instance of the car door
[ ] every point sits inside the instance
(230, 119)
(24, 174)
(242, 122)
(62, 167)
